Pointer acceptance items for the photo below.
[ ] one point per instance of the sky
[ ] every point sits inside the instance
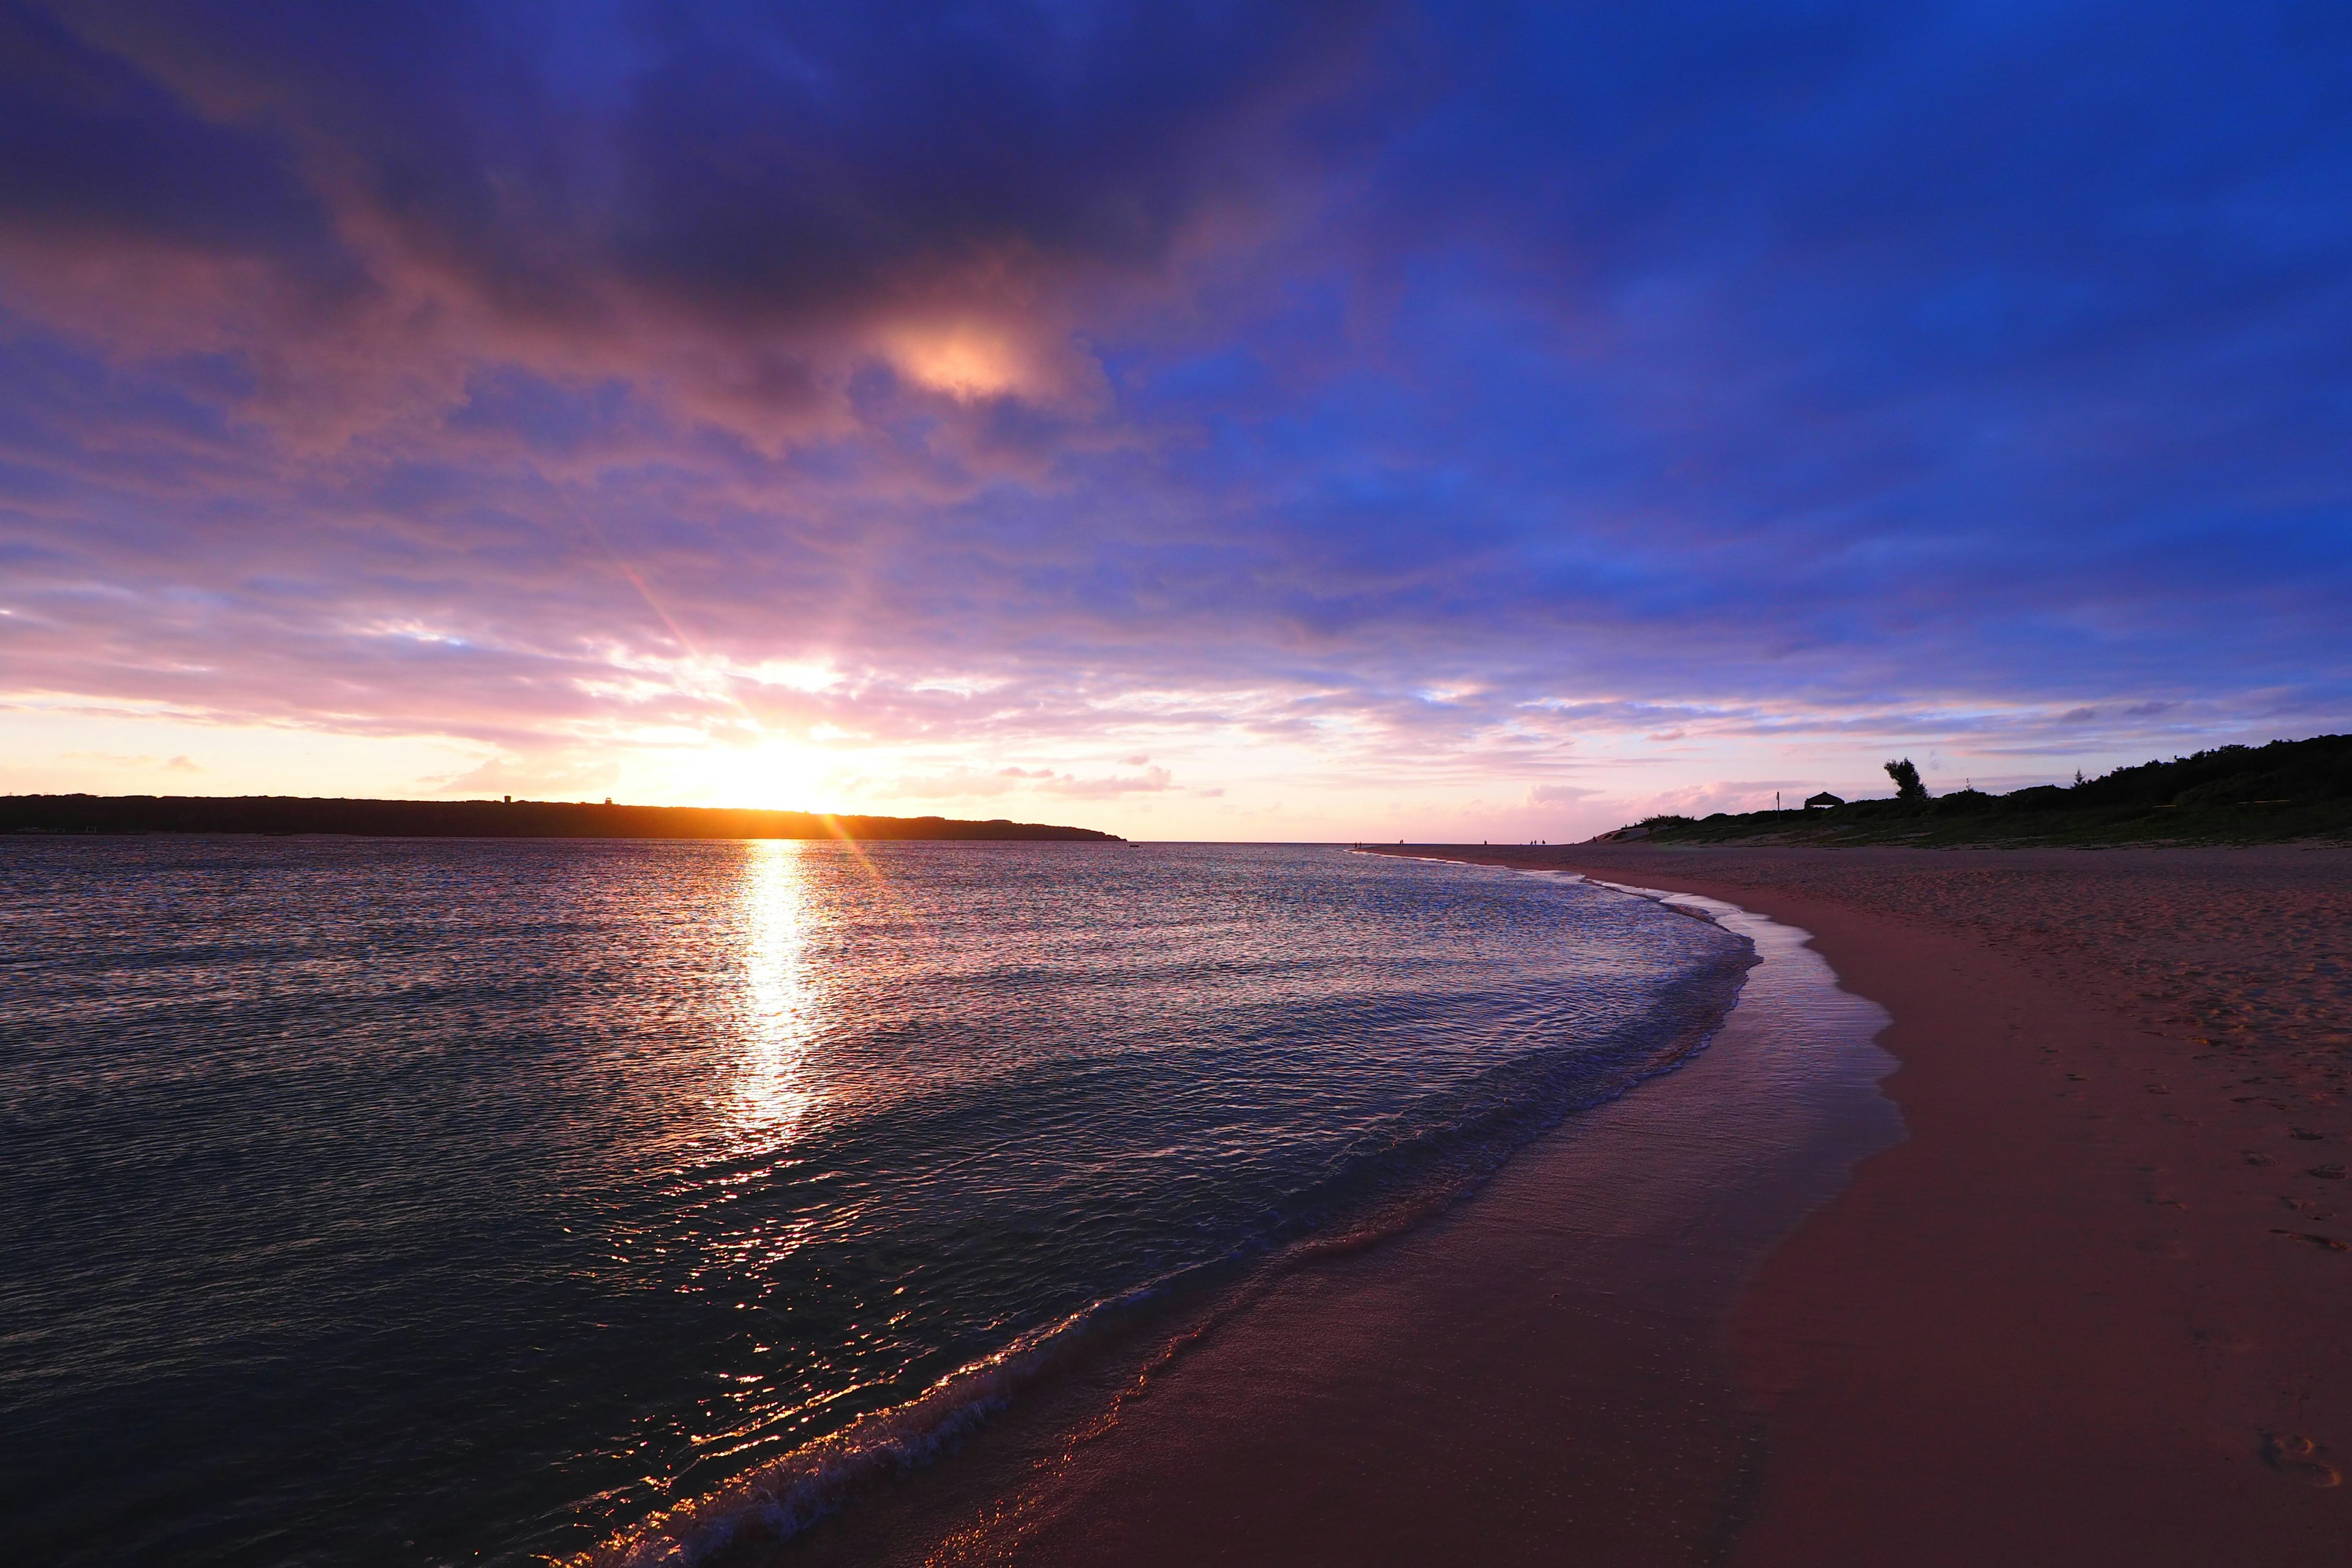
(1225, 421)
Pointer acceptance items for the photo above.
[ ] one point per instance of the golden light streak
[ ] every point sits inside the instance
(873, 873)
(782, 1001)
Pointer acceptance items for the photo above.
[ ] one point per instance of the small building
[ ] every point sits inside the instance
(1824, 798)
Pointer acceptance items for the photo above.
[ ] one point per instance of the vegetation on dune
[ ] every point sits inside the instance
(2232, 795)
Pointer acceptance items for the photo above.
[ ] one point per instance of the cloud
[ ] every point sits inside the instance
(1734, 796)
(674, 197)
(1152, 781)
(959, 783)
(536, 773)
(971, 783)
(1418, 389)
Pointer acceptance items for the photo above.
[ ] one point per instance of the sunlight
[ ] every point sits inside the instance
(774, 775)
(964, 362)
(780, 997)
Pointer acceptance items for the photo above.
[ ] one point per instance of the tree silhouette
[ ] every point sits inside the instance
(1907, 780)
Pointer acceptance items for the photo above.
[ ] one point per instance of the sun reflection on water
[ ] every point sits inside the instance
(781, 998)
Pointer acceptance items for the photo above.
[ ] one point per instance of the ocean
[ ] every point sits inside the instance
(436, 1201)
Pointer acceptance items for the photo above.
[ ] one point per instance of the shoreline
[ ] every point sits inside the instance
(1548, 1351)
(2091, 1310)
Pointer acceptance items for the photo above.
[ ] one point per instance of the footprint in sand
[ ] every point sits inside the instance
(2327, 1173)
(2297, 1457)
(2328, 1242)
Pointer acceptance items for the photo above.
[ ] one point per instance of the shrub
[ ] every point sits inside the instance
(2039, 797)
(1962, 802)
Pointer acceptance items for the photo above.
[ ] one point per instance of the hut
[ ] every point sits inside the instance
(1823, 799)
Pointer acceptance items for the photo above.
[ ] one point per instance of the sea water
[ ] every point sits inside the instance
(426, 1201)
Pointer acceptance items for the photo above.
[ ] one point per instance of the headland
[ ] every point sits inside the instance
(277, 813)
(2286, 792)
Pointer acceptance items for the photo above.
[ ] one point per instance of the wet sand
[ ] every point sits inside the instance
(1538, 1374)
(2093, 1310)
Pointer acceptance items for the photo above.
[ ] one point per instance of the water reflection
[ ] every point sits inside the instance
(781, 999)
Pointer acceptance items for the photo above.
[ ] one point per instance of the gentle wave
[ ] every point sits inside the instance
(783, 1497)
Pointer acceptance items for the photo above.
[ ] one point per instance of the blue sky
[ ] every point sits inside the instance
(1219, 421)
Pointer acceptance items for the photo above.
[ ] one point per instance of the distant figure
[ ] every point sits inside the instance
(1823, 799)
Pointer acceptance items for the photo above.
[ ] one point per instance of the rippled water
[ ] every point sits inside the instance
(418, 1201)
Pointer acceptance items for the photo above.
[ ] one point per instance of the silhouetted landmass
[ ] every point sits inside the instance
(480, 819)
(2234, 795)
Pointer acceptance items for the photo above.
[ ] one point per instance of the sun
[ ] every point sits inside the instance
(773, 774)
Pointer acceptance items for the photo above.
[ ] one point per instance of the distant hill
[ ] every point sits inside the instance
(2234, 795)
(480, 819)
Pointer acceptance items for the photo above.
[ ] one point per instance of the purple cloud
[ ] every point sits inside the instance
(1427, 392)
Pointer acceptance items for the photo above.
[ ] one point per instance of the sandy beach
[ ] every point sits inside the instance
(2080, 1303)
(2092, 1308)
(2089, 1309)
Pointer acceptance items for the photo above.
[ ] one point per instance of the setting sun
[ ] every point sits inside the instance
(773, 775)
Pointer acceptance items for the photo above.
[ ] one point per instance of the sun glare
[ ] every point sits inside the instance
(780, 994)
(774, 776)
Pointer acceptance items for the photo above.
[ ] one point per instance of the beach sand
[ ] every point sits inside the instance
(2091, 1309)
(2098, 1307)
